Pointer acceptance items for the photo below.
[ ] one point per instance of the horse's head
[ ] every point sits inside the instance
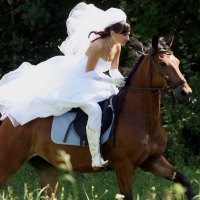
(166, 71)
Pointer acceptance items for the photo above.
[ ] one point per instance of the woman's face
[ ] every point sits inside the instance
(121, 38)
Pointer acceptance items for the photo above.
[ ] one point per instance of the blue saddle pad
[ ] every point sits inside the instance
(60, 125)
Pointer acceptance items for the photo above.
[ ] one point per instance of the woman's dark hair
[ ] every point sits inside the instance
(120, 27)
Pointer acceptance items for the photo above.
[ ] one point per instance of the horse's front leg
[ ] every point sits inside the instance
(48, 175)
(124, 172)
(161, 167)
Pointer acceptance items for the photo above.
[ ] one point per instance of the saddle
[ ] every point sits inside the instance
(80, 121)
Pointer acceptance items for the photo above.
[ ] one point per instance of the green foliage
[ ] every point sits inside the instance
(102, 184)
(31, 30)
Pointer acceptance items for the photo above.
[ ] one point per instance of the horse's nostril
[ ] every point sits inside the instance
(189, 94)
(183, 93)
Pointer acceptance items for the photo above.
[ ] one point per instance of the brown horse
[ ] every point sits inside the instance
(139, 138)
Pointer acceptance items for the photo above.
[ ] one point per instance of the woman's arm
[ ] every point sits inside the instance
(93, 53)
(114, 72)
(115, 62)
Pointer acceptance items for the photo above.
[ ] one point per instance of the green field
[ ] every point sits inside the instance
(145, 185)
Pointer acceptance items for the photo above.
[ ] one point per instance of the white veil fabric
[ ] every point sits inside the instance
(83, 19)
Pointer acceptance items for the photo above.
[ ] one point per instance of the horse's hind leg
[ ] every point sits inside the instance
(14, 150)
(161, 167)
(48, 175)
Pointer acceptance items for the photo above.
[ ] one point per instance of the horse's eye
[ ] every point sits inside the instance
(162, 64)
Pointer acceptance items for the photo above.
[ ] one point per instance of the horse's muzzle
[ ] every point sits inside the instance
(182, 94)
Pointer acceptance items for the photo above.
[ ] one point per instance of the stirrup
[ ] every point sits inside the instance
(104, 164)
(96, 168)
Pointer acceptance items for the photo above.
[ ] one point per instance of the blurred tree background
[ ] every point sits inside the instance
(31, 30)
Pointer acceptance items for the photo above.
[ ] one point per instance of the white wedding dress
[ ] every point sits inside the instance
(51, 88)
(59, 84)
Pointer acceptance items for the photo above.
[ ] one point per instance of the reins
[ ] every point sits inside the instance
(145, 88)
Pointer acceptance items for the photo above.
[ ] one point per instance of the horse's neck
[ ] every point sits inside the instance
(142, 76)
(145, 102)
(140, 98)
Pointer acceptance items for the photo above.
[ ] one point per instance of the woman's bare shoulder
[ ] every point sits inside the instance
(95, 47)
(97, 44)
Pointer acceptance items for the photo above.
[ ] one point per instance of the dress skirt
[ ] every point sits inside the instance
(50, 88)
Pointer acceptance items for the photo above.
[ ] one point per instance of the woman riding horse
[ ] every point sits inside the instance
(53, 87)
(139, 136)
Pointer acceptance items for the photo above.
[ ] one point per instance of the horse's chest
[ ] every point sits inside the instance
(153, 145)
(157, 145)
(157, 140)
(156, 149)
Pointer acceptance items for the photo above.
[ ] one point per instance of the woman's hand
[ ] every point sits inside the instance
(119, 82)
(98, 76)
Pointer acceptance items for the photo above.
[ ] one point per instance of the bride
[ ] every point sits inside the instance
(75, 79)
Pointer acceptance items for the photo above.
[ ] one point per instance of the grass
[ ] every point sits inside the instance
(24, 186)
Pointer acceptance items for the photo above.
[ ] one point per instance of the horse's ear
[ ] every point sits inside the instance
(155, 40)
(170, 40)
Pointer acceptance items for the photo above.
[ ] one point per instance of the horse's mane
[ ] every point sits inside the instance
(128, 79)
(141, 49)
(137, 54)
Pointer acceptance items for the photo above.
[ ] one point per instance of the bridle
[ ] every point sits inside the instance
(170, 83)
